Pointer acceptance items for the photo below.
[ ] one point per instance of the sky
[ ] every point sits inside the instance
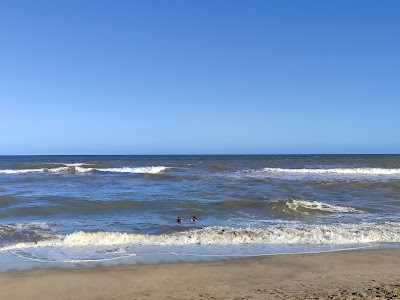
(199, 77)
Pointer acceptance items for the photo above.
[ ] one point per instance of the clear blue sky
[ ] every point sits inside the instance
(183, 77)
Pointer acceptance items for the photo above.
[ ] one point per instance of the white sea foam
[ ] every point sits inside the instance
(50, 170)
(70, 256)
(22, 171)
(32, 225)
(303, 206)
(79, 169)
(58, 170)
(83, 170)
(311, 235)
(344, 171)
(142, 170)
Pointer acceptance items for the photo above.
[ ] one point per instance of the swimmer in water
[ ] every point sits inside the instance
(194, 219)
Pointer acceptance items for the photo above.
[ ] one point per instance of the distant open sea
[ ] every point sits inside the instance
(79, 211)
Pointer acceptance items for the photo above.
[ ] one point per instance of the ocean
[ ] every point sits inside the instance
(83, 211)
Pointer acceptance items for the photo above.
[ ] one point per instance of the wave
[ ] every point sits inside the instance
(361, 233)
(8, 200)
(308, 206)
(286, 209)
(342, 171)
(21, 171)
(39, 165)
(282, 209)
(79, 206)
(85, 168)
(142, 170)
(28, 232)
(92, 164)
(67, 169)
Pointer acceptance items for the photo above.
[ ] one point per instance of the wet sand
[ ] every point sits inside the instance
(358, 274)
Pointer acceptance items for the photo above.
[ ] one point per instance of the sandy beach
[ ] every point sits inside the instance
(358, 274)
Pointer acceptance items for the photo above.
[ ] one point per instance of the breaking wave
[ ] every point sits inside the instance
(143, 170)
(21, 171)
(308, 206)
(342, 171)
(360, 233)
(85, 168)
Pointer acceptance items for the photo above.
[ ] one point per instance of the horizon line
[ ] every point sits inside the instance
(203, 154)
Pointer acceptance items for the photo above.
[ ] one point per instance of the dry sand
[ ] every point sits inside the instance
(361, 274)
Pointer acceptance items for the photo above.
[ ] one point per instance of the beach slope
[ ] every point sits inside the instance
(358, 274)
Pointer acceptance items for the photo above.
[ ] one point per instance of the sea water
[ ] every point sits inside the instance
(79, 211)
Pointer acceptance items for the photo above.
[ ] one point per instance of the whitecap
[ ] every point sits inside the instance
(344, 171)
(304, 206)
(141, 170)
(332, 234)
(22, 171)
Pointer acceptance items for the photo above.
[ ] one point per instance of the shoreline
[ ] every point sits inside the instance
(356, 273)
(155, 259)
